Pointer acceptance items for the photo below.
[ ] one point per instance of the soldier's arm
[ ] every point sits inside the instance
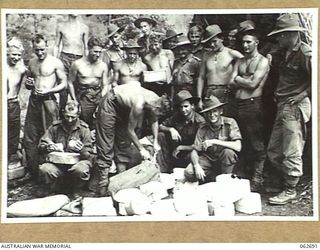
(105, 81)
(58, 40)
(254, 81)
(86, 151)
(71, 79)
(85, 38)
(201, 80)
(135, 113)
(233, 84)
(61, 77)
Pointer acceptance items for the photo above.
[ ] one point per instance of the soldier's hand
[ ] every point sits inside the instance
(200, 104)
(175, 134)
(207, 144)
(52, 148)
(75, 145)
(29, 83)
(200, 174)
(176, 152)
(145, 154)
(296, 99)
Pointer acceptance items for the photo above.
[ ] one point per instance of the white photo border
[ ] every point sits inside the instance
(4, 196)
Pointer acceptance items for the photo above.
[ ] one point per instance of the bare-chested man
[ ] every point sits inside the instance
(250, 74)
(131, 68)
(15, 73)
(88, 81)
(159, 59)
(70, 45)
(47, 77)
(216, 68)
(120, 113)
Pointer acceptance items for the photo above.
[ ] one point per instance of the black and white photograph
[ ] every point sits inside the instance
(159, 115)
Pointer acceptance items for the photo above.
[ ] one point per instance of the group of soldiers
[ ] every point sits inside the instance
(198, 100)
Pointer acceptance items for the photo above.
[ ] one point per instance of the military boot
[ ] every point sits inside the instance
(284, 197)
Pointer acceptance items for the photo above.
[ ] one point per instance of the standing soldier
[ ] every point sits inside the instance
(114, 54)
(171, 39)
(70, 45)
(185, 69)
(250, 74)
(16, 72)
(88, 81)
(294, 109)
(47, 77)
(195, 35)
(145, 24)
(159, 59)
(131, 68)
(216, 68)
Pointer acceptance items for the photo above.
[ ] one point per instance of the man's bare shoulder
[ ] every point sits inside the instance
(234, 53)
(56, 62)
(167, 52)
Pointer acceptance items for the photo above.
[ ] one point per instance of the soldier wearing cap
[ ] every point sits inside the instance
(146, 25)
(216, 144)
(177, 133)
(114, 54)
(185, 69)
(88, 80)
(249, 76)
(73, 135)
(15, 76)
(159, 59)
(171, 39)
(216, 68)
(131, 68)
(292, 94)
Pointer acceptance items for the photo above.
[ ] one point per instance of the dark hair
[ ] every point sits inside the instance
(95, 41)
(253, 33)
(38, 38)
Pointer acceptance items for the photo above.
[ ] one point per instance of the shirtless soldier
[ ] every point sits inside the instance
(250, 74)
(70, 45)
(47, 77)
(88, 81)
(159, 59)
(16, 72)
(130, 68)
(120, 113)
(216, 68)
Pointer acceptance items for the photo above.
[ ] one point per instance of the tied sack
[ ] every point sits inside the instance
(135, 177)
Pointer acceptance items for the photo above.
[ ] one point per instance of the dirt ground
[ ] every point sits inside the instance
(24, 188)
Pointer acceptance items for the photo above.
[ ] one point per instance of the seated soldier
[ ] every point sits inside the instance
(216, 145)
(67, 135)
(177, 133)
